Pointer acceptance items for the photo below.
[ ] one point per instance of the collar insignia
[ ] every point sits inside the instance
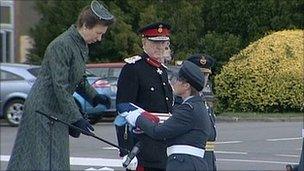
(159, 71)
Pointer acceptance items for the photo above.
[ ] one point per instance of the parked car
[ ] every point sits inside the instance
(102, 86)
(108, 71)
(16, 82)
(111, 71)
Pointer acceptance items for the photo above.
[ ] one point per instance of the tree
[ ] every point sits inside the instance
(57, 16)
(219, 28)
(266, 76)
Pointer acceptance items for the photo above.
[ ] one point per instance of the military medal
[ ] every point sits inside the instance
(159, 71)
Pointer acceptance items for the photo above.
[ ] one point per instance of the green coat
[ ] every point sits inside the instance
(62, 71)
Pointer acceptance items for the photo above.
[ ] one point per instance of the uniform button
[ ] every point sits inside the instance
(152, 88)
(167, 98)
(164, 84)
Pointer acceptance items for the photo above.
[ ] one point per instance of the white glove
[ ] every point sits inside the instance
(132, 116)
(133, 163)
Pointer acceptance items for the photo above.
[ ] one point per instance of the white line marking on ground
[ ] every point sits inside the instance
(255, 161)
(103, 168)
(85, 161)
(228, 142)
(80, 161)
(229, 152)
(109, 148)
(106, 169)
(286, 155)
(4, 158)
(91, 168)
(284, 139)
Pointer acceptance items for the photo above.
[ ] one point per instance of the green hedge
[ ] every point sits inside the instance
(267, 76)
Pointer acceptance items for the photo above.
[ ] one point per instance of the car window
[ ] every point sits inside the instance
(114, 72)
(90, 74)
(6, 76)
(100, 72)
(34, 71)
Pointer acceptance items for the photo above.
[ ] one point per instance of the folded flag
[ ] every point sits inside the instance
(125, 109)
(120, 120)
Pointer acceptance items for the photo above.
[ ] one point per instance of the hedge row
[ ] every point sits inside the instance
(267, 76)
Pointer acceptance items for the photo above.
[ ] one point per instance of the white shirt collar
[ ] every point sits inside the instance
(187, 98)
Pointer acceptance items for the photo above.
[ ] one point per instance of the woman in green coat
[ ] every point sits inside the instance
(62, 73)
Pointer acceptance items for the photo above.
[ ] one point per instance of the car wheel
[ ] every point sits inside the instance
(13, 111)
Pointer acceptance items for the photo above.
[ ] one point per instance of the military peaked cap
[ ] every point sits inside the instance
(204, 61)
(158, 31)
(100, 11)
(192, 74)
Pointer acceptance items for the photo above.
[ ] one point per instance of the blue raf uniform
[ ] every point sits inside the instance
(186, 131)
(205, 62)
(144, 82)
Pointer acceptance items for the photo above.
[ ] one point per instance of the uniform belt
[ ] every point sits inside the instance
(210, 145)
(185, 149)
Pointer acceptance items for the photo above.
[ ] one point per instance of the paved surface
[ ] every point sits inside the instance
(240, 146)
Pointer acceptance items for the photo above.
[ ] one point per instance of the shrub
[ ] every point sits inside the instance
(267, 76)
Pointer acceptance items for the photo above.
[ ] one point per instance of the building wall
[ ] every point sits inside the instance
(25, 17)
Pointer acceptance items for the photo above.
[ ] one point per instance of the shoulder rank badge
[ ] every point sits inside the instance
(132, 59)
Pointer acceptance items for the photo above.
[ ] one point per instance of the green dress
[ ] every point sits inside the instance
(62, 72)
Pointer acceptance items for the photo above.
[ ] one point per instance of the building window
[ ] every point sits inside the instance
(7, 31)
(5, 15)
(6, 46)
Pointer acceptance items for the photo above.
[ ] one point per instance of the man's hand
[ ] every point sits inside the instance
(82, 124)
(102, 99)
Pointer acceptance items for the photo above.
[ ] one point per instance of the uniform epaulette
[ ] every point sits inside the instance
(188, 104)
(132, 59)
(164, 66)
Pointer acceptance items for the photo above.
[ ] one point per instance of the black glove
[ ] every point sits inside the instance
(82, 124)
(102, 99)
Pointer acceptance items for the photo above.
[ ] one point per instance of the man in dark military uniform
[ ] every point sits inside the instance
(205, 62)
(187, 130)
(144, 82)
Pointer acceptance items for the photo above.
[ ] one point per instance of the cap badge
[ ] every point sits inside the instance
(160, 29)
(203, 61)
